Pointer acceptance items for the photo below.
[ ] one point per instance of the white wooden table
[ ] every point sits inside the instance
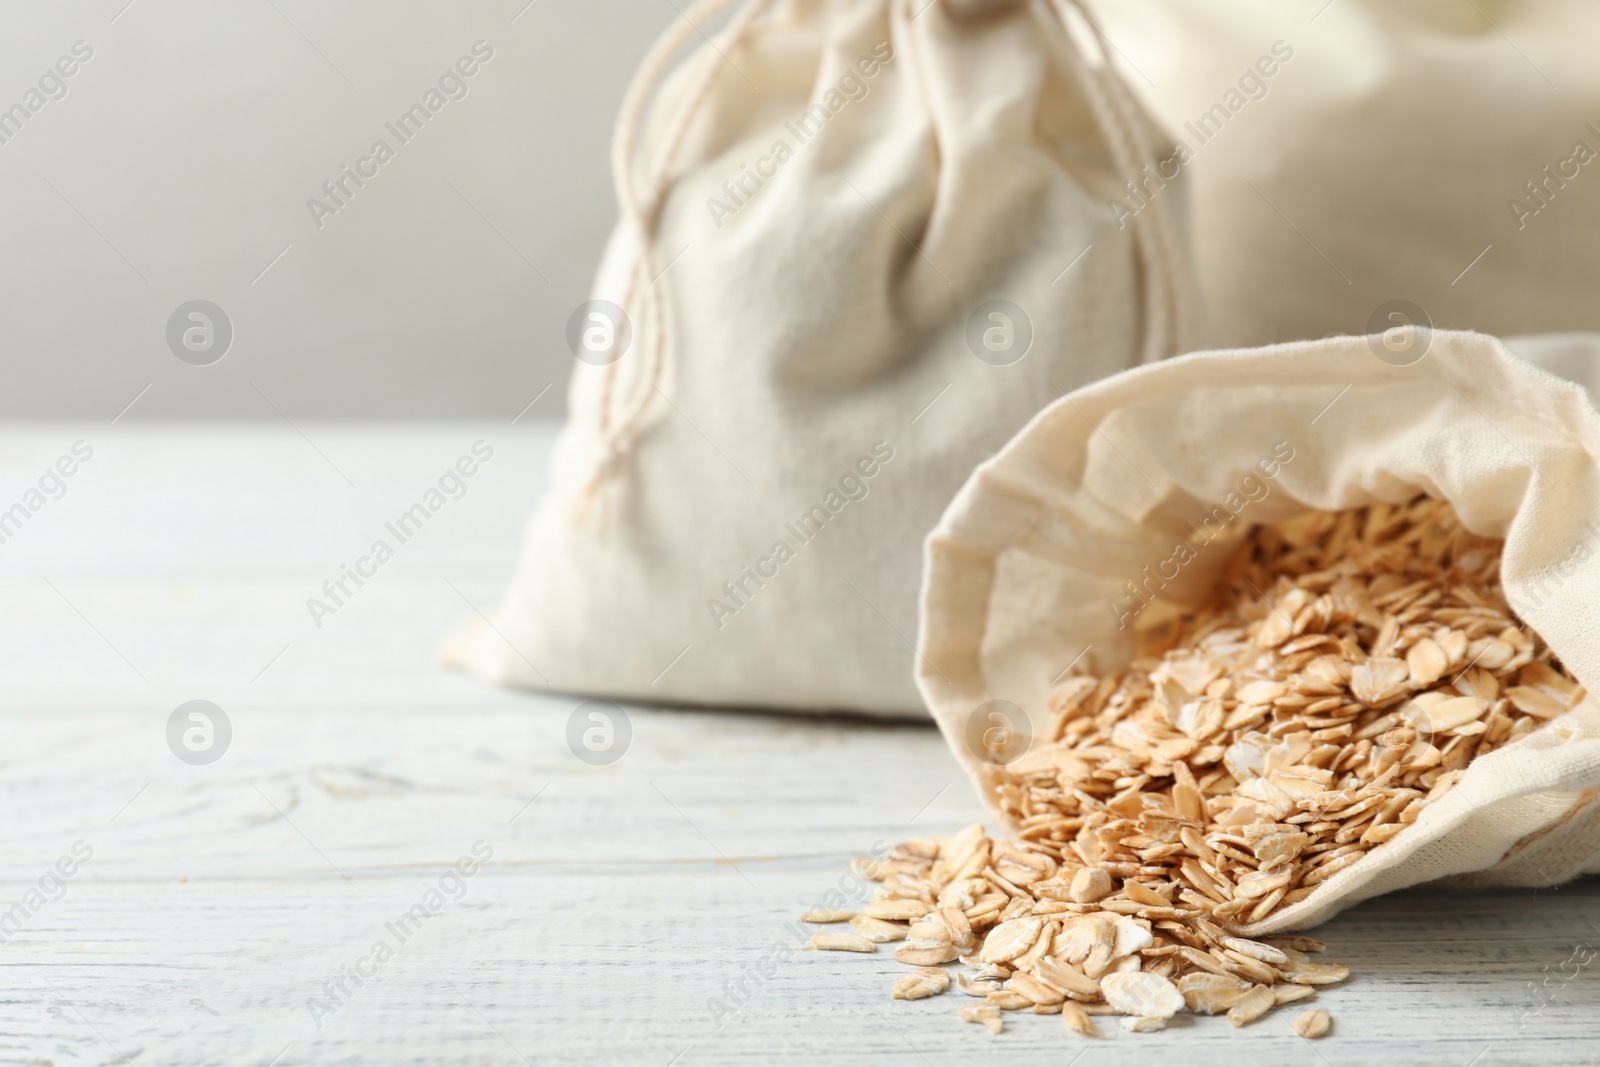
(619, 902)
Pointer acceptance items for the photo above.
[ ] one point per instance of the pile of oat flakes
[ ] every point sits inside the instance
(1351, 667)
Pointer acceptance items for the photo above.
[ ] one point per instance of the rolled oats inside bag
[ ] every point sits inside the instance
(1259, 634)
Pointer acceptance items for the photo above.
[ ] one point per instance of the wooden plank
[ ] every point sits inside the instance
(641, 912)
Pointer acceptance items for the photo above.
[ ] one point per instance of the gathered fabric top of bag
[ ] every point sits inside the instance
(657, 122)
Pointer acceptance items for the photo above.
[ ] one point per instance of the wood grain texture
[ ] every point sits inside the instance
(630, 913)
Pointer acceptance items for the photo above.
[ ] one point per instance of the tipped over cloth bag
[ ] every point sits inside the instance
(1026, 567)
(862, 242)
(1342, 155)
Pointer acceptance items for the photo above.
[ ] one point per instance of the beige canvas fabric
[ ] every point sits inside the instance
(818, 213)
(1345, 154)
(1022, 570)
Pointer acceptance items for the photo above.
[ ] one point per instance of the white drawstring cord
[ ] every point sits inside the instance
(1168, 293)
(641, 212)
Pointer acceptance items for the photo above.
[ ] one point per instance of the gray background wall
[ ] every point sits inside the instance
(179, 161)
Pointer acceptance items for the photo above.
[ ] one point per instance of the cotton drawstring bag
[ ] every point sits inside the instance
(862, 241)
(1341, 155)
(1025, 569)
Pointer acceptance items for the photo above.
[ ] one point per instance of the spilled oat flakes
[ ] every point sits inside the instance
(1350, 668)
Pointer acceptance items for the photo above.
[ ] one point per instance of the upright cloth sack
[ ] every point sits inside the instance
(1025, 569)
(1342, 155)
(862, 242)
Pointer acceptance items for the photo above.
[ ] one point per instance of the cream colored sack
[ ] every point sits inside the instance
(1026, 568)
(1345, 154)
(862, 243)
